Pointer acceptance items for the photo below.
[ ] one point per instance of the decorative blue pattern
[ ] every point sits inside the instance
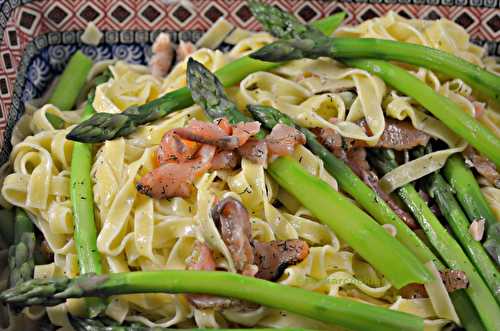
(30, 91)
(51, 60)
(43, 65)
(45, 56)
(99, 53)
(38, 72)
(129, 53)
(59, 54)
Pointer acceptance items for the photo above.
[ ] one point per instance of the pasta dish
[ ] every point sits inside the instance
(300, 165)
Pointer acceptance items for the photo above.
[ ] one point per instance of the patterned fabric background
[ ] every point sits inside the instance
(37, 37)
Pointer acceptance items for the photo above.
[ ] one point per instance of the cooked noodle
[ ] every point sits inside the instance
(139, 233)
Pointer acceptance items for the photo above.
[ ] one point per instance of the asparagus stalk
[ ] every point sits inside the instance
(349, 182)
(335, 311)
(283, 25)
(198, 79)
(449, 250)
(208, 92)
(209, 87)
(103, 126)
(361, 234)
(371, 202)
(485, 83)
(55, 121)
(310, 44)
(466, 311)
(350, 223)
(441, 107)
(473, 202)
(443, 195)
(83, 205)
(7, 225)
(21, 259)
(82, 200)
(71, 81)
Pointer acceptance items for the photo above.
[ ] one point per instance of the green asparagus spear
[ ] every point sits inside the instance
(466, 311)
(281, 24)
(361, 234)
(441, 107)
(348, 49)
(349, 182)
(337, 168)
(104, 126)
(82, 200)
(7, 225)
(55, 121)
(21, 260)
(313, 45)
(449, 250)
(473, 202)
(366, 197)
(350, 223)
(71, 82)
(371, 202)
(83, 205)
(208, 92)
(443, 195)
(335, 311)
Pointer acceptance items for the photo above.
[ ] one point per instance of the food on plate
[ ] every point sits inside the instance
(299, 180)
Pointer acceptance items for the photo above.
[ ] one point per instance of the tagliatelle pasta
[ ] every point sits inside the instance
(213, 60)
(441, 34)
(492, 195)
(136, 232)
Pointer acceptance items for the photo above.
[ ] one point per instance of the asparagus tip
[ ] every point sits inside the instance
(276, 52)
(100, 127)
(51, 291)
